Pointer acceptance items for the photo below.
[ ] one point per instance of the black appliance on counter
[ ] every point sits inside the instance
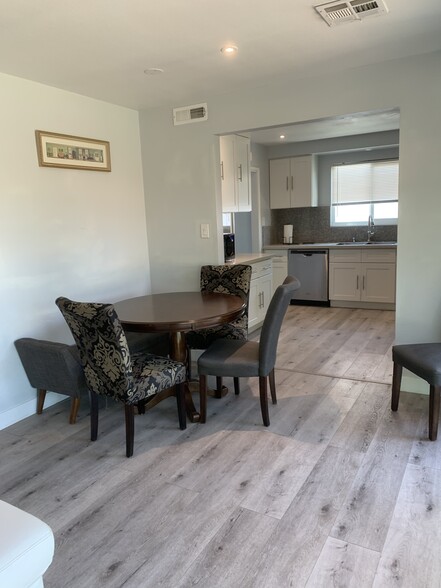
(229, 247)
(310, 267)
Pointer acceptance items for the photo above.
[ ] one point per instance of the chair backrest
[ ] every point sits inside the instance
(102, 346)
(272, 324)
(50, 365)
(229, 279)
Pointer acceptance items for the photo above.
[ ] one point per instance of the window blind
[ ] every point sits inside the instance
(365, 183)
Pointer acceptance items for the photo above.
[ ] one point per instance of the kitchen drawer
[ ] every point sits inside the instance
(345, 255)
(261, 268)
(378, 255)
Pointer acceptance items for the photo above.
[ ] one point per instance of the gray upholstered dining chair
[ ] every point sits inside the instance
(245, 359)
(226, 279)
(424, 360)
(56, 367)
(139, 380)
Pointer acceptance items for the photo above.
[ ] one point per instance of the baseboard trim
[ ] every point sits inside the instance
(22, 411)
(368, 305)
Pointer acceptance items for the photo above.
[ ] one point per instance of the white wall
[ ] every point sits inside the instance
(179, 174)
(75, 233)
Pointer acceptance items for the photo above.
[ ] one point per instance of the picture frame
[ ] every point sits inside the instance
(69, 151)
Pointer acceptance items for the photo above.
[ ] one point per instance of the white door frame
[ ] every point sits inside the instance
(256, 224)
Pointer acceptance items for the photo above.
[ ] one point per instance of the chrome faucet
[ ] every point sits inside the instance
(370, 230)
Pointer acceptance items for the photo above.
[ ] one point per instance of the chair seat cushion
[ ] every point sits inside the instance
(203, 338)
(227, 357)
(154, 374)
(423, 359)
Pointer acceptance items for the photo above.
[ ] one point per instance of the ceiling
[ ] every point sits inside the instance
(359, 123)
(101, 49)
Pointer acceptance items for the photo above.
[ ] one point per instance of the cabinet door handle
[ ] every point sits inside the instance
(363, 282)
(292, 182)
(287, 184)
(358, 282)
(222, 170)
(263, 299)
(240, 172)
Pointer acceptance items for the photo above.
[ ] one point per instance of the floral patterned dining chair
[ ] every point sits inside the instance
(136, 380)
(226, 279)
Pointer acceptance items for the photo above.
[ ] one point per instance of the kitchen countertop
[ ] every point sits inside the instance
(255, 257)
(372, 245)
(249, 258)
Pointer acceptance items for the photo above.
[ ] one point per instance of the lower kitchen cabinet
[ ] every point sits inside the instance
(261, 288)
(280, 266)
(360, 275)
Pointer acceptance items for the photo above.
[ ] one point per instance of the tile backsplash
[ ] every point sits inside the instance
(312, 225)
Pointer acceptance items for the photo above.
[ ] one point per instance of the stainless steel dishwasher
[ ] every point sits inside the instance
(310, 266)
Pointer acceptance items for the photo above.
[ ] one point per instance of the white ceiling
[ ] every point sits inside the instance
(340, 126)
(101, 48)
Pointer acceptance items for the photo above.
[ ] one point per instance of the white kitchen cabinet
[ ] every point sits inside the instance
(261, 289)
(359, 275)
(280, 266)
(293, 182)
(235, 173)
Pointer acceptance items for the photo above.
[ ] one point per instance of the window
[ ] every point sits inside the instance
(228, 222)
(363, 189)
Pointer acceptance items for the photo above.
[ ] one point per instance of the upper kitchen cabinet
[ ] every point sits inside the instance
(235, 173)
(293, 182)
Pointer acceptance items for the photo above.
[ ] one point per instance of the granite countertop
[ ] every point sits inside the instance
(372, 244)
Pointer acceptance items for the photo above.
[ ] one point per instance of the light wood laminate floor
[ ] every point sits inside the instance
(338, 491)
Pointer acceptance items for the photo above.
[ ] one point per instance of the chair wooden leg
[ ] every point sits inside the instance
(41, 395)
(272, 383)
(93, 416)
(263, 390)
(180, 399)
(396, 386)
(236, 386)
(434, 412)
(130, 428)
(188, 363)
(74, 406)
(203, 398)
(218, 391)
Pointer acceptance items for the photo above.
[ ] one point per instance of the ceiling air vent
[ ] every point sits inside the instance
(338, 12)
(190, 114)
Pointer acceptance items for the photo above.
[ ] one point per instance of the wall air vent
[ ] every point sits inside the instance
(343, 11)
(190, 114)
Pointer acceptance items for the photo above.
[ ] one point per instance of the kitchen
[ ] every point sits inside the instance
(301, 226)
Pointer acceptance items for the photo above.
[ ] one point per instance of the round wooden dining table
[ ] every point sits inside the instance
(178, 313)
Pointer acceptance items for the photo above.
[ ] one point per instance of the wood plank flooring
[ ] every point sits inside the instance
(338, 491)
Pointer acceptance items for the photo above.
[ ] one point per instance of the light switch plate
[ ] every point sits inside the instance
(205, 231)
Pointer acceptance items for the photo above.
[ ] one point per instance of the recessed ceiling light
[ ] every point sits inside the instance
(229, 49)
(153, 71)
(282, 136)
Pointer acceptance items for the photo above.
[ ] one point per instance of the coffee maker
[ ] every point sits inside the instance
(229, 247)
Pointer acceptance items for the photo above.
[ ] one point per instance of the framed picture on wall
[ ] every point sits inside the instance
(55, 150)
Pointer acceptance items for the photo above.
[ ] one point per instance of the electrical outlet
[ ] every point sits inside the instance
(205, 231)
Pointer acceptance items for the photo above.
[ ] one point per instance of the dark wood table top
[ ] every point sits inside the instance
(178, 311)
